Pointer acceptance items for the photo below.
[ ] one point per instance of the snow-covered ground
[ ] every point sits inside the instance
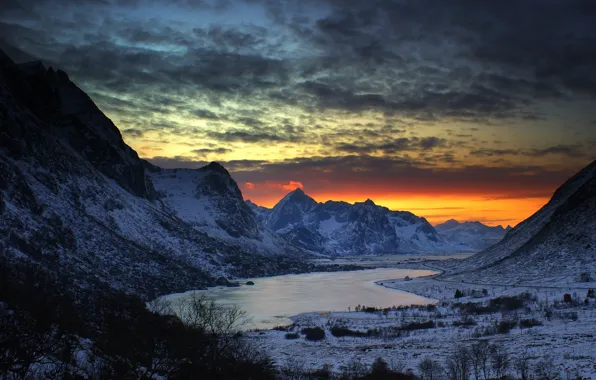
(566, 340)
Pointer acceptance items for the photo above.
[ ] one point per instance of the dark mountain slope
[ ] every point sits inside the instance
(553, 246)
(75, 198)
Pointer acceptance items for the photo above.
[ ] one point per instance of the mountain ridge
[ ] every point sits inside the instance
(473, 234)
(331, 227)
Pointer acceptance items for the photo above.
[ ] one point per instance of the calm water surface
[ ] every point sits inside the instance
(272, 300)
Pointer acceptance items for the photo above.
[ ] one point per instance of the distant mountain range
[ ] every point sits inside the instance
(340, 228)
(472, 234)
(555, 246)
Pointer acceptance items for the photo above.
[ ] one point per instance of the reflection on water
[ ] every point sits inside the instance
(273, 299)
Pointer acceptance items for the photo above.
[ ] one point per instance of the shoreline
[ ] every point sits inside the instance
(558, 338)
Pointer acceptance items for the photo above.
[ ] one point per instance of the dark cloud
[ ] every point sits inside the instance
(565, 150)
(371, 174)
(250, 136)
(205, 114)
(177, 162)
(431, 142)
(206, 151)
(487, 152)
(357, 39)
(401, 144)
(555, 49)
(133, 132)
(573, 151)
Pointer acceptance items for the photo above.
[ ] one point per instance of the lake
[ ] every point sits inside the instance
(272, 300)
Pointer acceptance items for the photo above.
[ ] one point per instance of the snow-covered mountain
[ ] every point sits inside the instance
(75, 198)
(210, 200)
(346, 229)
(554, 246)
(262, 213)
(472, 234)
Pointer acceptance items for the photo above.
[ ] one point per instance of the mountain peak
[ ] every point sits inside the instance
(369, 202)
(215, 167)
(297, 191)
(448, 224)
(298, 195)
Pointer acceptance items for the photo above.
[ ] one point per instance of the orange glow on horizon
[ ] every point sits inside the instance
(436, 209)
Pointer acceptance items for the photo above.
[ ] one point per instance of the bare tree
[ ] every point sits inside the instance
(479, 353)
(522, 366)
(160, 306)
(458, 364)
(222, 326)
(430, 369)
(25, 343)
(499, 360)
(544, 370)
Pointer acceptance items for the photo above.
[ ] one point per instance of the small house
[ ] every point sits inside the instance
(585, 277)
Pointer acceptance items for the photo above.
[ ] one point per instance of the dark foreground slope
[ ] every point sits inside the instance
(50, 328)
(554, 246)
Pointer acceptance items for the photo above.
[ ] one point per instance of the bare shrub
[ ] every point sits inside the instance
(201, 312)
(354, 369)
(505, 326)
(314, 333)
(430, 369)
(527, 323)
(294, 369)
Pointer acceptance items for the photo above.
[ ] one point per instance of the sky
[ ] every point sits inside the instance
(473, 110)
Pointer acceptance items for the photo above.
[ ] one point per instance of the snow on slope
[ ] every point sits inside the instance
(361, 228)
(261, 212)
(210, 200)
(553, 246)
(472, 234)
(292, 210)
